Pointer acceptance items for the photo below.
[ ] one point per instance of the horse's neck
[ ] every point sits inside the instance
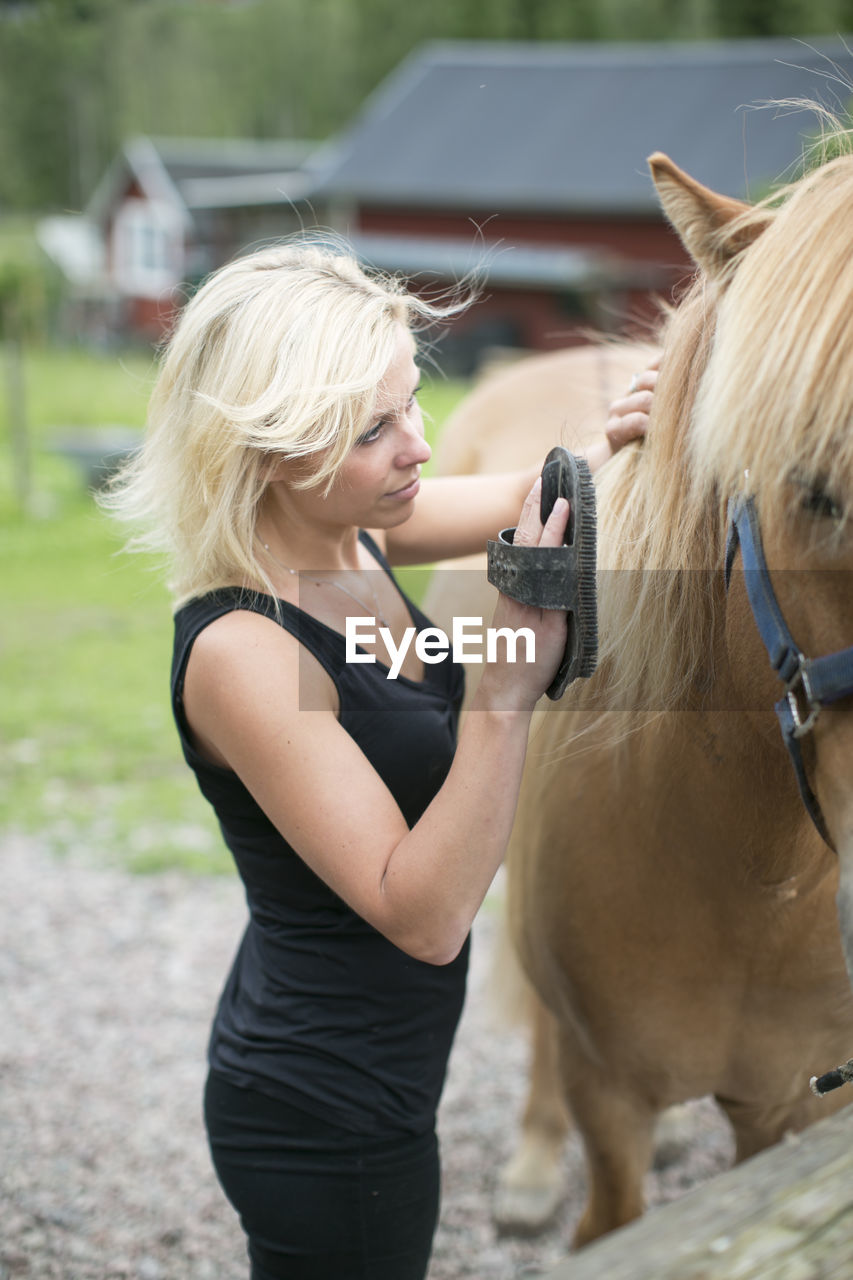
(740, 793)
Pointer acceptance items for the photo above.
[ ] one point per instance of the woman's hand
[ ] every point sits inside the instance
(517, 686)
(629, 416)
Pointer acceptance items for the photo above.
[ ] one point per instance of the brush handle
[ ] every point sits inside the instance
(558, 482)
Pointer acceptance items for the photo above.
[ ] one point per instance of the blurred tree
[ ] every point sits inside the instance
(56, 100)
(24, 288)
(78, 76)
(761, 17)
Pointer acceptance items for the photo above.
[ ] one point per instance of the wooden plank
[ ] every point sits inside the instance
(786, 1214)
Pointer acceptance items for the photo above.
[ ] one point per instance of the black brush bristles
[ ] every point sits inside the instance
(567, 476)
(587, 553)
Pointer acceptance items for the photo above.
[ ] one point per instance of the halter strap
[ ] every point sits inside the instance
(815, 681)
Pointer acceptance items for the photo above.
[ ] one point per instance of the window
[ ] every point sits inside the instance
(147, 248)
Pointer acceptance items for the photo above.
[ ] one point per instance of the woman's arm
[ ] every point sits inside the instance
(455, 515)
(256, 702)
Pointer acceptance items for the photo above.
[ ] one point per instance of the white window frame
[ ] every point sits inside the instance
(147, 248)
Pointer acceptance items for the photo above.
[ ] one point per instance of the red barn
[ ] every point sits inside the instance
(522, 163)
(528, 161)
(169, 211)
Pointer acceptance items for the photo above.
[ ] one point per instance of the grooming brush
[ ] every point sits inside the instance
(558, 577)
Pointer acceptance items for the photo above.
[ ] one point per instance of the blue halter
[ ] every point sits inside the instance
(810, 682)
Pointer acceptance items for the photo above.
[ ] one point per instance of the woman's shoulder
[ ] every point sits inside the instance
(201, 610)
(232, 624)
(229, 623)
(247, 649)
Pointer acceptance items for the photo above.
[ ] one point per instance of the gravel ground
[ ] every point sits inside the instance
(107, 985)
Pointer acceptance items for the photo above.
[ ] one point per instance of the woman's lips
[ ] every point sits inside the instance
(408, 491)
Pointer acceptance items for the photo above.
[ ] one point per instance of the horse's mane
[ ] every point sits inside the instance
(777, 399)
(757, 379)
(652, 527)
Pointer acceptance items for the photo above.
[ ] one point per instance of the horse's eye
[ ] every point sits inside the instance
(821, 504)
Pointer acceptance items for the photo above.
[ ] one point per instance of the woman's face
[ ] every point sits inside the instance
(378, 481)
(385, 463)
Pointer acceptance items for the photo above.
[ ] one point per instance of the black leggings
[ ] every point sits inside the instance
(316, 1201)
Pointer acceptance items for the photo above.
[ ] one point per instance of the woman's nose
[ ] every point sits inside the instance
(414, 450)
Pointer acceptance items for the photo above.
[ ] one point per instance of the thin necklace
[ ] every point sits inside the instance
(323, 582)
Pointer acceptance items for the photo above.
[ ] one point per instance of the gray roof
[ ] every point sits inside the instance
(206, 173)
(509, 266)
(568, 127)
(188, 158)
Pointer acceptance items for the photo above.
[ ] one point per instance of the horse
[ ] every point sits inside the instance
(559, 396)
(671, 898)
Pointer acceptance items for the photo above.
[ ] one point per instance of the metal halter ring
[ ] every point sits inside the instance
(800, 679)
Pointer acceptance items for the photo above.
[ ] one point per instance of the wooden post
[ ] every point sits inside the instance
(786, 1214)
(16, 402)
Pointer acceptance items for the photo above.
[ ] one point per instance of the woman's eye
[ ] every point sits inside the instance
(373, 434)
(376, 430)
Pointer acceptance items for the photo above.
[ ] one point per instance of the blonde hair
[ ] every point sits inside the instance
(279, 355)
(777, 399)
(756, 386)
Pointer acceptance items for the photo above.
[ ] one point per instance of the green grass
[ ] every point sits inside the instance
(70, 388)
(90, 757)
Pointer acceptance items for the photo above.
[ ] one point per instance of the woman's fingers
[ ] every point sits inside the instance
(554, 528)
(523, 684)
(620, 429)
(645, 379)
(530, 532)
(529, 525)
(629, 415)
(635, 402)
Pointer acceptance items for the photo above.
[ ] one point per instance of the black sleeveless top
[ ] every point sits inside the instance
(320, 1009)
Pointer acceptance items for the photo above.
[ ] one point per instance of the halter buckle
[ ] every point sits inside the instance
(800, 684)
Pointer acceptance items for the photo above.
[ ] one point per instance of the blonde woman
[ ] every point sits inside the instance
(284, 425)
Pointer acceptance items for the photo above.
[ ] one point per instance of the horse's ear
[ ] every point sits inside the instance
(712, 227)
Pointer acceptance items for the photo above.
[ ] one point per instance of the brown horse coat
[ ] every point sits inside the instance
(669, 897)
